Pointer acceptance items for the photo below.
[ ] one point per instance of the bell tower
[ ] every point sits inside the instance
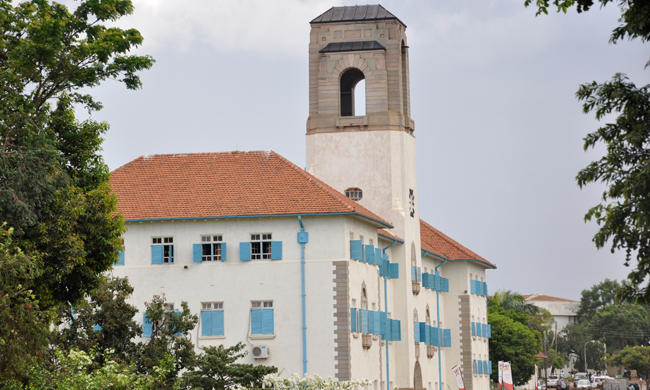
(370, 157)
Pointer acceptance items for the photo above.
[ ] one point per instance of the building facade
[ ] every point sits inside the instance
(327, 270)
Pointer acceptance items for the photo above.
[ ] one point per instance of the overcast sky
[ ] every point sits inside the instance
(499, 131)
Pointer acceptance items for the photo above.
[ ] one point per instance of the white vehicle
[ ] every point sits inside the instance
(599, 379)
(552, 380)
(583, 384)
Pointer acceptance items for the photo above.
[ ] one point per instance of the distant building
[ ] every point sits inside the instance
(564, 311)
(326, 270)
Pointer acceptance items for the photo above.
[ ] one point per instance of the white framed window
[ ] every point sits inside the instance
(354, 193)
(261, 246)
(162, 250)
(211, 247)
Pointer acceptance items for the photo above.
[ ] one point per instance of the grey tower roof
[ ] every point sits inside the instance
(355, 13)
(352, 46)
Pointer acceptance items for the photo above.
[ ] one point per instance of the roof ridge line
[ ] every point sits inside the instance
(453, 242)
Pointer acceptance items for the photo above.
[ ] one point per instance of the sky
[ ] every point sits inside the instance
(498, 128)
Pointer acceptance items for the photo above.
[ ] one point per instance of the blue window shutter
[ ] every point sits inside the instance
(490, 367)
(485, 292)
(384, 326)
(394, 271)
(475, 367)
(388, 329)
(371, 322)
(256, 321)
(245, 252)
(485, 333)
(356, 250)
(377, 319)
(445, 284)
(447, 337)
(423, 333)
(427, 334)
(479, 333)
(480, 366)
(217, 323)
(365, 320)
(120, 257)
(425, 280)
(147, 326)
(485, 366)
(267, 321)
(197, 253)
(413, 276)
(419, 274)
(276, 250)
(399, 330)
(437, 282)
(224, 252)
(353, 319)
(489, 331)
(416, 328)
(473, 328)
(370, 254)
(378, 256)
(206, 323)
(156, 254)
(472, 287)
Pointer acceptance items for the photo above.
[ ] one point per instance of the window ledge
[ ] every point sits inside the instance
(262, 336)
(355, 335)
(211, 337)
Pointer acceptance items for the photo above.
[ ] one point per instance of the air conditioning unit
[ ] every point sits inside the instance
(260, 351)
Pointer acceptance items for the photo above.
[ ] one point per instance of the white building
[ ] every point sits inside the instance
(564, 311)
(330, 269)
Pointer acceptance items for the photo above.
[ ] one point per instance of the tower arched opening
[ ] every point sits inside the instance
(349, 81)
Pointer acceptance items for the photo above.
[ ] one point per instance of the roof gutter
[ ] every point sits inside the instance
(352, 213)
(484, 262)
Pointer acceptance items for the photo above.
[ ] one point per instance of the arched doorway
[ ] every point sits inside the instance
(417, 376)
(349, 81)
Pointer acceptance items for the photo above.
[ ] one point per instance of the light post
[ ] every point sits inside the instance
(585, 353)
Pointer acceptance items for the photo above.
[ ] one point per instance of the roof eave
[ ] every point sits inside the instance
(351, 213)
(480, 261)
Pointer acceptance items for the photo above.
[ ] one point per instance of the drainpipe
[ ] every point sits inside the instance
(438, 316)
(386, 309)
(303, 238)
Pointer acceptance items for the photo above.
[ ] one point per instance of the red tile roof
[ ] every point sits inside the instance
(433, 240)
(227, 184)
(545, 298)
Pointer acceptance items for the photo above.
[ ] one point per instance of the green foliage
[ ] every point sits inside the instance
(217, 369)
(295, 382)
(75, 370)
(553, 360)
(573, 339)
(23, 324)
(633, 358)
(600, 295)
(512, 341)
(620, 325)
(170, 336)
(510, 300)
(108, 309)
(53, 181)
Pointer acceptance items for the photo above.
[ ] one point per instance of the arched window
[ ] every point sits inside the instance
(354, 193)
(349, 81)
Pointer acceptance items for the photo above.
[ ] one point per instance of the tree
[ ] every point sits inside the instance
(554, 360)
(217, 369)
(624, 213)
(621, 325)
(575, 339)
(600, 295)
(23, 324)
(633, 358)
(514, 342)
(53, 182)
(510, 300)
(170, 335)
(100, 324)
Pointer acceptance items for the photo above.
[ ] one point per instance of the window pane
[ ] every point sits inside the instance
(216, 251)
(206, 252)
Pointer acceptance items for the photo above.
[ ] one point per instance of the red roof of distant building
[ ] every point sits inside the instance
(546, 298)
(167, 186)
(435, 241)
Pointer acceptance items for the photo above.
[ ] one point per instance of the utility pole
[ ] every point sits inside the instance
(545, 372)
